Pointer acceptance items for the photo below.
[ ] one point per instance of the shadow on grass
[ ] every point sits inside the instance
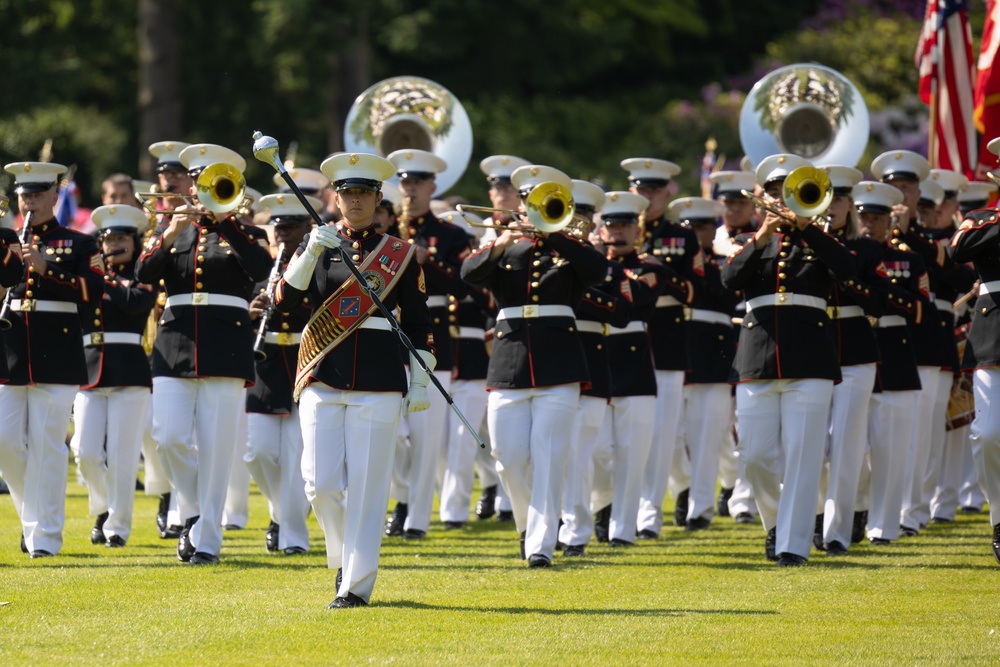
(575, 611)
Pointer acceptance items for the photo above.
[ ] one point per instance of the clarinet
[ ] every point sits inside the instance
(5, 321)
(272, 282)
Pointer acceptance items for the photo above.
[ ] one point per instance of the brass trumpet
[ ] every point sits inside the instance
(806, 191)
(220, 188)
(549, 208)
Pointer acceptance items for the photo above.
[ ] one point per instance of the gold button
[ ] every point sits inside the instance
(536, 274)
(984, 310)
(198, 271)
(355, 257)
(904, 341)
(437, 320)
(499, 334)
(722, 338)
(355, 245)
(452, 318)
(238, 323)
(536, 263)
(201, 248)
(97, 323)
(782, 254)
(173, 250)
(782, 288)
(631, 348)
(305, 300)
(782, 263)
(284, 326)
(452, 308)
(850, 282)
(509, 267)
(65, 330)
(599, 300)
(97, 311)
(781, 276)
(534, 297)
(534, 285)
(31, 281)
(28, 294)
(750, 325)
(198, 285)
(677, 320)
(163, 321)
(571, 329)
(201, 258)
(819, 323)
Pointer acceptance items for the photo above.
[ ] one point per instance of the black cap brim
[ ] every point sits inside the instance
(118, 229)
(649, 183)
(620, 219)
(29, 188)
(873, 208)
(290, 220)
(362, 183)
(893, 175)
(169, 165)
(416, 175)
(731, 194)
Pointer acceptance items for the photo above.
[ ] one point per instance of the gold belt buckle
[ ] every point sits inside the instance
(833, 312)
(454, 332)
(530, 310)
(97, 338)
(27, 305)
(782, 298)
(286, 338)
(607, 329)
(199, 298)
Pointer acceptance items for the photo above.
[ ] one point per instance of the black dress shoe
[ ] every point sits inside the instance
(971, 509)
(340, 577)
(115, 542)
(351, 600)
(879, 541)
(681, 508)
(791, 560)
(139, 486)
(835, 549)
(97, 534)
(722, 502)
(454, 525)
(906, 531)
(523, 535)
(769, 544)
(271, 537)
(41, 553)
(618, 542)
(394, 524)
(996, 542)
(486, 505)
(744, 518)
(185, 550)
(698, 523)
(4, 489)
(414, 534)
(232, 526)
(858, 528)
(24, 547)
(940, 519)
(505, 516)
(602, 523)
(647, 534)
(575, 550)
(818, 533)
(295, 551)
(204, 558)
(539, 560)
(161, 515)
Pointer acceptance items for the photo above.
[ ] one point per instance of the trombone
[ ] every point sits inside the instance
(806, 191)
(549, 208)
(220, 188)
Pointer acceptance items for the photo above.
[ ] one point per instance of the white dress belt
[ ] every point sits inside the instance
(631, 327)
(786, 299)
(710, 316)
(472, 333)
(35, 306)
(991, 286)
(845, 312)
(531, 311)
(111, 338)
(666, 301)
(377, 323)
(282, 338)
(206, 299)
(437, 301)
(891, 321)
(590, 326)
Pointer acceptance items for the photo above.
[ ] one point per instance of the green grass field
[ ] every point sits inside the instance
(464, 598)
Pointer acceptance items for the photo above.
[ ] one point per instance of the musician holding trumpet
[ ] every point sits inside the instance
(45, 355)
(203, 356)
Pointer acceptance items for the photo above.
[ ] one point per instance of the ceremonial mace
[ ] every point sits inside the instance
(265, 149)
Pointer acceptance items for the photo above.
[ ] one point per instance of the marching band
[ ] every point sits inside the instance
(795, 340)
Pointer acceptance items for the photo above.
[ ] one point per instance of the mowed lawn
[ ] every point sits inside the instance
(464, 598)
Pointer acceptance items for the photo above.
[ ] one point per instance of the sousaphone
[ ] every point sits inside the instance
(411, 112)
(808, 110)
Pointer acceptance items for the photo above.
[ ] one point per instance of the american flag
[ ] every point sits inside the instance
(944, 60)
(987, 95)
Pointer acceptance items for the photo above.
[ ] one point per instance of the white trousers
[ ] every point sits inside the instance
(729, 465)
(461, 449)
(928, 437)
(971, 494)
(846, 453)
(944, 502)
(666, 424)
(707, 421)
(205, 411)
(779, 421)
(274, 459)
(531, 430)
(416, 458)
(154, 474)
(106, 440)
(33, 458)
(591, 429)
(237, 508)
(348, 440)
(890, 433)
(631, 439)
(985, 436)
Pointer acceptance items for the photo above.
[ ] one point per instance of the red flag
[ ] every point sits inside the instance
(944, 59)
(987, 95)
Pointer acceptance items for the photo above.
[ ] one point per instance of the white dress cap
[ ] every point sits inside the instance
(199, 156)
(649, 172)
(285, 205)
(309, 181)
(586, 193)
(528, 176)
(695, 208)
(167, 154)
(622, 206)
(731, 184)
(976, 191)
(414, 163)
(875, 197)
(498, 168)
(777, 167)
(119, 218)
(842, 177)
(357, 170)
(950, 181)
(932, 192)
(34, 176)
(901, 164)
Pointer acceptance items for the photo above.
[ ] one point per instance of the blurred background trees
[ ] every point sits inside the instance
(578, 84)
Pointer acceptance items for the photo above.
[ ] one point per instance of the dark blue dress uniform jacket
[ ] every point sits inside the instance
(11, 272)
(45, 347)
(216, 258)
(271, 393)
(854, 336)
(447, 246)
(124, 309)
(711, 347)
(472, 310)
(368, 359)
(630, 354)
(778, 342)
(542, 351)
(904, 294)
(608, 308)
(978, 241)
